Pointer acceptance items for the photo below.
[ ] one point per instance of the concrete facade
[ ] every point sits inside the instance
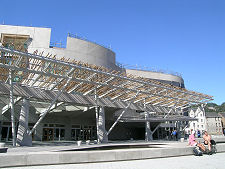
(78, 49)
(165, 78)
(82, 50)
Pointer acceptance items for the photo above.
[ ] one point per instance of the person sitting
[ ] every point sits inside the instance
(207, 140)
(193, 142)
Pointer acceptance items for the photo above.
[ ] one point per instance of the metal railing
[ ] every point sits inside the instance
(83, 38)
(57, 45)
(145, 68)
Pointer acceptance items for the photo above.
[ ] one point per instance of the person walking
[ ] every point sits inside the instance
(174, 135)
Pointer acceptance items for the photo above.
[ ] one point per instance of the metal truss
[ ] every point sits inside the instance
(62, 75)
(49, 69)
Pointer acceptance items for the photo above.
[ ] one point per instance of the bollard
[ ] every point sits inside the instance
(79, 143)
(2, 144)
(88, 142)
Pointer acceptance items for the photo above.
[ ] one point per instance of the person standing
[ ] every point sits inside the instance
(174, 135)
(199, 134)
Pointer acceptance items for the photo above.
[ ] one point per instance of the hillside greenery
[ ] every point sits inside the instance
(213, 107)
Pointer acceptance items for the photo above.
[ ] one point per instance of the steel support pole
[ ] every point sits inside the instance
(101, 123)
(118, 119)
(23, 137)
(7, 107)
(178, 130)
(50, 107)
(121, 114)
(12, 107)
(1, 121)
(148, 132)
(96, 116)
(156, 128)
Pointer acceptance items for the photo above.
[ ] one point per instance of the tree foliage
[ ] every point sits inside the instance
(213, 107)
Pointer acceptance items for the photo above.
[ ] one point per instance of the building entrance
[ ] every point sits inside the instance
(47, 134)
(79, 132)
(53, 132)
(59, 134)
(6, 133)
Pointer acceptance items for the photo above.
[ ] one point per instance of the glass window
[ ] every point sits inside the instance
(7, 123)
(76, 126)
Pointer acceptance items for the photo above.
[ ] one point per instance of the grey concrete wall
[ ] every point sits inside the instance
(91, 53)
(167, 78)
(40, 36)
(78, 49)
(84, 51)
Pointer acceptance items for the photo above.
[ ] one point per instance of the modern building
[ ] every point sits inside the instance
(39, 40)
(99, 94)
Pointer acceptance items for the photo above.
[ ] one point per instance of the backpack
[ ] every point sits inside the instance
(213, 142)
(197, 151)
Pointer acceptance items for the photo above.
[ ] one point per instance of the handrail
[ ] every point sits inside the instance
(145, 68)
(82, 38)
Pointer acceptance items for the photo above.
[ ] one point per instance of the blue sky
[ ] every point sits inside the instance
(185, 36)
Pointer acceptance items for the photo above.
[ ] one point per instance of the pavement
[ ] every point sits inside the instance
(215, 161)
(71, 145)
(114, 154)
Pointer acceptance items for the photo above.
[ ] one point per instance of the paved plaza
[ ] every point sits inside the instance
(158, 154)
(215, 161)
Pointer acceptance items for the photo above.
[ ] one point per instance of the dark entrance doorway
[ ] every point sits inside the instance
(48, 134)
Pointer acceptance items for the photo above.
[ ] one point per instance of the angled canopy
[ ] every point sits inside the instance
(48, 73)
